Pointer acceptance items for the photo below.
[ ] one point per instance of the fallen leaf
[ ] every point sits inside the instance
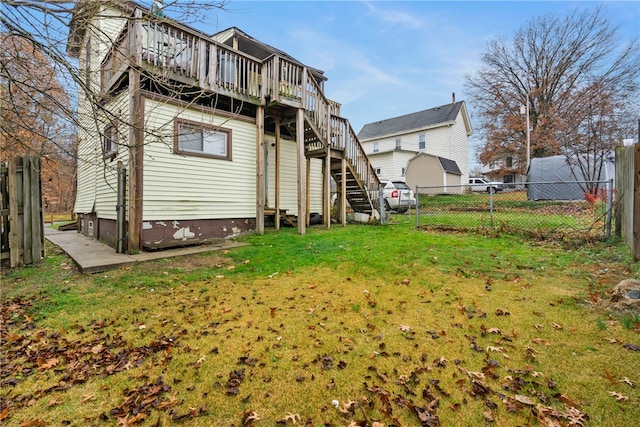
(53, 402)
(50, 363)
(488, 416)
(540, 341)
(249, 418)
(525, 400)
(294, 418)
(627, 381)
(567, 400)
(619, 397)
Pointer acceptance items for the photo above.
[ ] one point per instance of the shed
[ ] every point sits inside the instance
(553, 178)
(426, 170)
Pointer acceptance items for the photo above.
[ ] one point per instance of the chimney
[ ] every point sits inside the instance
(453, 97)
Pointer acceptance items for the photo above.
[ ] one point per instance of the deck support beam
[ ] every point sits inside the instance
(277, 217)
(302, 175)
(136, 138)
(343, 192)
(260, 175)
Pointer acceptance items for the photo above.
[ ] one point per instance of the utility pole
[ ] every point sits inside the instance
(525, 110)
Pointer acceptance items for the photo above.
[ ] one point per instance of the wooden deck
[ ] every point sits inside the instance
(178, 53)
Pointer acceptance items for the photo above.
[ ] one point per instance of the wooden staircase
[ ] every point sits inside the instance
(329, 135)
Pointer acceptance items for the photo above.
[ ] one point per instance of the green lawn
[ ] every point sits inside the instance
(363, 325)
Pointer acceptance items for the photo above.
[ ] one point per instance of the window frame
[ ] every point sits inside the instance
(110, 137)
(398, 143)
(203, 128)
(422, 141)
(376, 147)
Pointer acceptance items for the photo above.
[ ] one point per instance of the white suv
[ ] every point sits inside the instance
(398, 196)
(482, 185)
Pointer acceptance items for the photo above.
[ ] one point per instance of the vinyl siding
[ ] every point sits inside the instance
(289, 178)
(449, 141)
(97, 176)
(178, 186)
(460, 146)
(94, 173)
(390, 163)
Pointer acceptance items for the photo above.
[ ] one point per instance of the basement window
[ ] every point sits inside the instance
(198, 139)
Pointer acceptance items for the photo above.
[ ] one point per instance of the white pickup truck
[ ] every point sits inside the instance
(482, 185)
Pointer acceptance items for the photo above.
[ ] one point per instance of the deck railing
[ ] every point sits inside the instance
(180, 53)
(341, 136)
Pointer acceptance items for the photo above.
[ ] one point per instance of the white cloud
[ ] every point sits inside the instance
(393, 17)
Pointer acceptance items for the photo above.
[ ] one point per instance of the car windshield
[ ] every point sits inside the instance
(401, 185)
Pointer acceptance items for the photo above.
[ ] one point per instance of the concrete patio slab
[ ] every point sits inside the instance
(92, 256)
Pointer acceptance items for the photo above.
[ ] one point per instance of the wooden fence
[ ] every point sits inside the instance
(21, 220)
(628, 197)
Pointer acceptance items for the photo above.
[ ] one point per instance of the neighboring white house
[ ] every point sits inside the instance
(201, 136)
(441, 131)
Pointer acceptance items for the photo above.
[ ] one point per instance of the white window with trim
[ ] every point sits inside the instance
(376, 147)
(378, 171)
(422, 141)
(198, 139)
(398, 144)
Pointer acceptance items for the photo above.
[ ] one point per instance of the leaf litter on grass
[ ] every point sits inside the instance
(419, 350)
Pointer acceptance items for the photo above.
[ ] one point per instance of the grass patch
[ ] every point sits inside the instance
(394, 324)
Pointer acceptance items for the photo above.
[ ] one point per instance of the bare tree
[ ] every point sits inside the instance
(33, 104)
(579, 80)
(41, 83)
(45, 27)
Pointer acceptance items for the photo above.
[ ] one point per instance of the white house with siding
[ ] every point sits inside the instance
(440, 131)
(197, 137)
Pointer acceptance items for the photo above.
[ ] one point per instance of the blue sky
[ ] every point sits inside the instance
(388, 58)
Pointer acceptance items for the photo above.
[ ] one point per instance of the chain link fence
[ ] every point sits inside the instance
(580, 209)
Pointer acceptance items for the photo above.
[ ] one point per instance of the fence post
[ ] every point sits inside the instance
(381, 208)
(417, 194)
(607, 233)
(491, 190)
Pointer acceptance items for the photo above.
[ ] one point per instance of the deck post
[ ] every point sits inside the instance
(277, 174)
(326, 183)
(343, 190)
(260, 181)
(308, 193)
(136, 137)
(302, 175)
(636, 202)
